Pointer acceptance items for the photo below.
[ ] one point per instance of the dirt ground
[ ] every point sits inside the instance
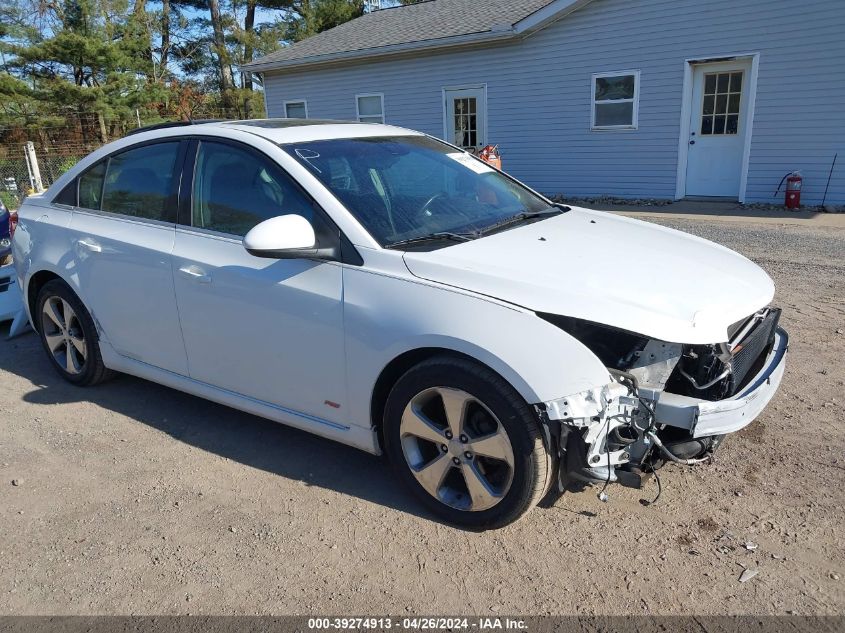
(136, 499)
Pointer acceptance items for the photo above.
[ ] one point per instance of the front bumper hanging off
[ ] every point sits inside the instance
(588, 429)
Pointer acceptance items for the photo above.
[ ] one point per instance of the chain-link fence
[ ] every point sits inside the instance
(56, 148)
(19, 175)
(14, 176)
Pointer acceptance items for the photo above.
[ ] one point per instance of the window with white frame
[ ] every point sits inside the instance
(615, 100)
(370, 108)
(296, 109)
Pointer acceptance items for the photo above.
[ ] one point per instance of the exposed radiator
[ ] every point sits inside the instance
(748, 351)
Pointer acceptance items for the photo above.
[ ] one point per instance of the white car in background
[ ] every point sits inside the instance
(384, 289)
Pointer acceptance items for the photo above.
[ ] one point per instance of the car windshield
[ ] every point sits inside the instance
(406, 187)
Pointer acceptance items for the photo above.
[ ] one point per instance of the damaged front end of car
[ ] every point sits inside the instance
(663, 401)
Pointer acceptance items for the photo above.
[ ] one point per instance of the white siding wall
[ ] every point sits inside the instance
(538, 93)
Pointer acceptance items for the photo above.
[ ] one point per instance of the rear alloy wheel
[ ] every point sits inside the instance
(68, 335)
(63, 335)
(466, 443)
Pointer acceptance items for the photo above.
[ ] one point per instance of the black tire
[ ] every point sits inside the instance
(92, 370)
(532, 464)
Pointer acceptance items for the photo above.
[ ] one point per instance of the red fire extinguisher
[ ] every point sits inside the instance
(793, 189)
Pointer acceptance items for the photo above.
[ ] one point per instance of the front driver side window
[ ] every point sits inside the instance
(235, 189)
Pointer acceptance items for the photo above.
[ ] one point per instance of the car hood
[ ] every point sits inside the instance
(608, 269)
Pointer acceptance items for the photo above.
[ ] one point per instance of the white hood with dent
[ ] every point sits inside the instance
(609, 269)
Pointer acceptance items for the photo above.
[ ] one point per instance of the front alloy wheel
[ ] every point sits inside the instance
(457, 449)
(466, 443)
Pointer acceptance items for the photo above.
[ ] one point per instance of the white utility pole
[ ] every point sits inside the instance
(32, 167)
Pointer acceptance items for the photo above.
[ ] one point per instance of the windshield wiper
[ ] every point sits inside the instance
(435, 237)
(522, 216)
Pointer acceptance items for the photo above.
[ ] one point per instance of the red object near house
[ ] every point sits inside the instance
(490, 155)
(793, 190)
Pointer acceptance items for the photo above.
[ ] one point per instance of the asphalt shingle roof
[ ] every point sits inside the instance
(421, 22)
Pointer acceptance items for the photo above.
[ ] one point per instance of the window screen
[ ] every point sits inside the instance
(615, 100)
(139, 182)
(235, 189)
(296, 110)
(370, 108)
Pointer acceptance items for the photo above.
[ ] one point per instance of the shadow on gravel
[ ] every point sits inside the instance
(245, 438)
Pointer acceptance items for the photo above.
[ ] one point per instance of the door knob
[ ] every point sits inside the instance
(692, 142)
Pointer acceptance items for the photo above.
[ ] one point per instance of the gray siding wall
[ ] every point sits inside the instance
(538, 93)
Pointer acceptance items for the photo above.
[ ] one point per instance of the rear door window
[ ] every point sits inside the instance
(91, 186)
(67, 196)
(140, 182)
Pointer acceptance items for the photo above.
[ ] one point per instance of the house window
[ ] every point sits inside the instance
(615, 98)
(370, 108)
(720, 109)
(296, 109)
(466, 122)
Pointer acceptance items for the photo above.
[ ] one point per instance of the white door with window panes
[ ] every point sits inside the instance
(717, 129)
(466, 117)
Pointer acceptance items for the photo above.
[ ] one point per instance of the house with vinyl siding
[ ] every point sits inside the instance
(627, 98)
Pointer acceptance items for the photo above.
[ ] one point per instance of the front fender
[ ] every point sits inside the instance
(387, 316)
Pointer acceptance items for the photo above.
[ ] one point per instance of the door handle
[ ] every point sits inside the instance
(90, 246)
(196, 273)
(692, 142)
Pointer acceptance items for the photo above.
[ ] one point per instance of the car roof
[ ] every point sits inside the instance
(283, 131)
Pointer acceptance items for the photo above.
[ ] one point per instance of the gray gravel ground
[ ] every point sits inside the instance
(799, 247)
(134, 498)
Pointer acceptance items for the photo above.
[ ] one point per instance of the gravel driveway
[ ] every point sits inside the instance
(134, 498)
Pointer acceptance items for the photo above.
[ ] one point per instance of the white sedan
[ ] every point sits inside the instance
(384, 289)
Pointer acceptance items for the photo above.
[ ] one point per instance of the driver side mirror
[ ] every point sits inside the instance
(285, 237)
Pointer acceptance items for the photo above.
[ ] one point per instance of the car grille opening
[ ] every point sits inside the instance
(716, 372)
(753, 348)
